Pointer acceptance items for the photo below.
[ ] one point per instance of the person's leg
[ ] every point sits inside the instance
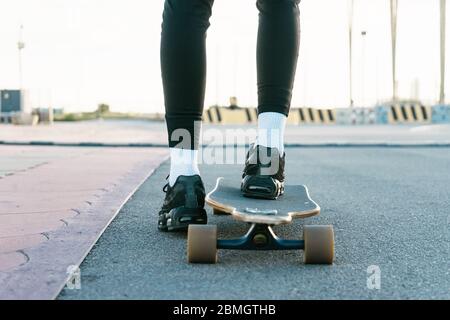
(277, 54)
(183, 70)
(183, 67)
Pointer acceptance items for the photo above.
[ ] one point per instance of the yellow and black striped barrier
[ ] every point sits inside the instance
(225, 115)
(409, 113)
(315, 116)
(399, 113)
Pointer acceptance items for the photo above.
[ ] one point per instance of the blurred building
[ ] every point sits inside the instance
(10, 103)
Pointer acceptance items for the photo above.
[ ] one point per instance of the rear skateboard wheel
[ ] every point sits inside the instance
(319, 244)
(219, 212)
(202, 243)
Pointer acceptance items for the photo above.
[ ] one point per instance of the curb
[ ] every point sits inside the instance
(435, 144)
(82, 144)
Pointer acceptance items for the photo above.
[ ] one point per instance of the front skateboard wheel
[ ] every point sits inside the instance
(202, 243)
(319, 244)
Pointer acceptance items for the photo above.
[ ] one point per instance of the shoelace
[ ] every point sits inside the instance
(166, 186)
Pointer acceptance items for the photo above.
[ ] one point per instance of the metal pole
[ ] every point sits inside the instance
(443, 24)
(363, 66)
(394, 6)
(235, 71)
(50, 107)
(350, 42)
(20, 46)
(217, 74)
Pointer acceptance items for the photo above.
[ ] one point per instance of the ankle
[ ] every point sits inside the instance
(271, 128)
(183, 162)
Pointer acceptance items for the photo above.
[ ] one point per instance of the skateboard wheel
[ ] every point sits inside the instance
(202, 243)
(319, 244)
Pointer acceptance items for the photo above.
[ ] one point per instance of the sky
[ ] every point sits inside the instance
(80, 53)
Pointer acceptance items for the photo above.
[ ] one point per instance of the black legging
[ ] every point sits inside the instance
(183, 61)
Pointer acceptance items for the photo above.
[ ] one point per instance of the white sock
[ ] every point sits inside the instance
(183, 162)
(271, 127)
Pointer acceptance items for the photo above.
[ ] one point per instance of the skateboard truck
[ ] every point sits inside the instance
(317, 242)
(260, 237)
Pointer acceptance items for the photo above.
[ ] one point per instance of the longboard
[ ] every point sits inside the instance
(226, 198)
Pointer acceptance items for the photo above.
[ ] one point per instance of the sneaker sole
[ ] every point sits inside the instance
(184, 218)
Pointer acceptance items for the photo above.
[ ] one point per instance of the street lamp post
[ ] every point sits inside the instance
(20, 46)
(350, 42)
(363, 65)
(217, 73)
(443, 24)
(394, 6)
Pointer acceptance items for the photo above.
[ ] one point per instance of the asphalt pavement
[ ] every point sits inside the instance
(390, 208)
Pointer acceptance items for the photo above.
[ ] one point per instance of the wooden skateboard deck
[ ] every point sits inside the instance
(226, 198)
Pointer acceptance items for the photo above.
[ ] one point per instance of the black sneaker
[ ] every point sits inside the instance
(183, 205)
(263, 175)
